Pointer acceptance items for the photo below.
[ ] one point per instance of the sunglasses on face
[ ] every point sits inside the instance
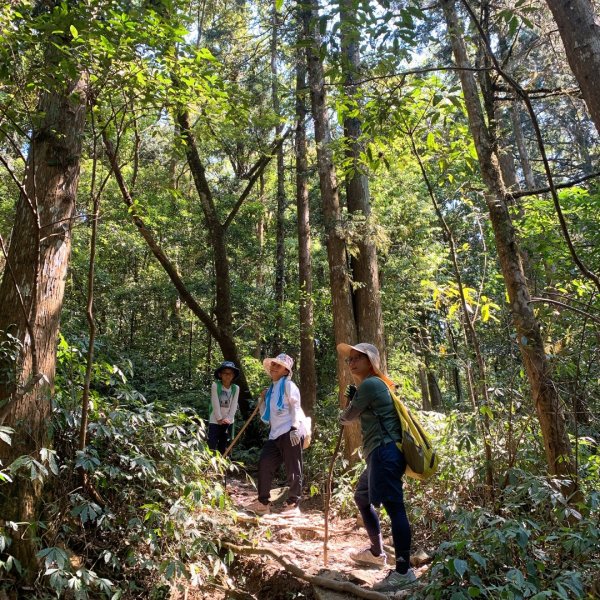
(352, 359)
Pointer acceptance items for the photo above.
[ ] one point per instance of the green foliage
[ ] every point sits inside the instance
(152, 477)
(534, 547)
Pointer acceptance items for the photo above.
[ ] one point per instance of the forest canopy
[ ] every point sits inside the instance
(186, 183)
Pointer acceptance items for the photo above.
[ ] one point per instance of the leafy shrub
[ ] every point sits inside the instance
(135, 509)
(537, 546)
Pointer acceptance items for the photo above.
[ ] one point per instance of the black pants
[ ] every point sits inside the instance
(273, 454)
(218, 436)
(381, 483)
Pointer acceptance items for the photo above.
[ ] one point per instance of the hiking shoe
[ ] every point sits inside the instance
(258, 508)
(367, 559)
(395, 581)
(290, 510)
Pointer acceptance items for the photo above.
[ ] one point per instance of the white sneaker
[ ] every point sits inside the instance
(258, 507)
(367, 558)
(395, 581)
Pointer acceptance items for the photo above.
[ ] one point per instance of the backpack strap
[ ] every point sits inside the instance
(383, 428)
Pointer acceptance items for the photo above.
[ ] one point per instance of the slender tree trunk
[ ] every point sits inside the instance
(341, 298)
(454, 368)
(470, 335)
(424, 385)
(435, 394)
(528, 175)
(308, 379)
(365, 271)
(260, 273)
(280, 215)
(91, 322)
(543, 389)
(32, 290)
(579, 29)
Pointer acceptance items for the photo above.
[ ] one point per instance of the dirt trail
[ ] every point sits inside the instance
(299, 540)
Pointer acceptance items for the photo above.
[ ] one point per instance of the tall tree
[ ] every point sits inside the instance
(33, 283)
(543, 389)
(308, 380)
(280, 194)
(365, 271)
(344, 325)
(580, 32)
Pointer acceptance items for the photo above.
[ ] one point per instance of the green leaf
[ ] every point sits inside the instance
(460, 566)
(5, 433)
(74, 32)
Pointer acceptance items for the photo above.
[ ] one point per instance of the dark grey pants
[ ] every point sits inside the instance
(273, 454)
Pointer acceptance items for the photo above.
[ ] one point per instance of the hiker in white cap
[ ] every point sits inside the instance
(280, 409)
(381, 482)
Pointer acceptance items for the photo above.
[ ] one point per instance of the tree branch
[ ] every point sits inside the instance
(563, 305)
(338, 586)
(540, 141)
(162, 258)
(558, 186)
(254, 173)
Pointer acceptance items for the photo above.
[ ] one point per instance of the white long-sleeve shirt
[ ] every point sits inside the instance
(225, 405)
(282, 420)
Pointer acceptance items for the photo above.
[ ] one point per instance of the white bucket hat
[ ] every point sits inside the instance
(281, 359)
(371, 352)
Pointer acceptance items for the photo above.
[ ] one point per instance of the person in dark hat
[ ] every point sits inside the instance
(224, 402)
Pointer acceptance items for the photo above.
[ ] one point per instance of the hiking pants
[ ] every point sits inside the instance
(218, 437)
(273, 454)
(381, 483)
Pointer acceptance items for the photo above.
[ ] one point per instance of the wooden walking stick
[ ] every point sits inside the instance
(239, 434)
(328, 495)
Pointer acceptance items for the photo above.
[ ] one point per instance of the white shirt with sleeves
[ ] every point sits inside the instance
(225, 406)
(282, 420)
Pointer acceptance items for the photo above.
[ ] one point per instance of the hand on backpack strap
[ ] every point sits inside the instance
(350, 391)
(294, 437)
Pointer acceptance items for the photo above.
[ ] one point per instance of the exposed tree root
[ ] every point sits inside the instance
(337, 586)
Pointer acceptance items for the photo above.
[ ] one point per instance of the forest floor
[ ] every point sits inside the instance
(297, 543)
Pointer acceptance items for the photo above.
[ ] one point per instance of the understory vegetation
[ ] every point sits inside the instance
(150, 516)
(187, 182)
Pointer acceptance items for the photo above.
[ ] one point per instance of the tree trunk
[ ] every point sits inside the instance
(32, 290)
(435, 394)
(308, 379)
(454, 368)
(515, 114)
(341, 298)
(580, 33)
(365, 271)
(543, 389)
(424, 385)
(218, 231)
(260, 272)
(280, 215)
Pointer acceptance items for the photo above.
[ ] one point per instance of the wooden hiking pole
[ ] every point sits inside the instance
(244, 426)
(328, 495)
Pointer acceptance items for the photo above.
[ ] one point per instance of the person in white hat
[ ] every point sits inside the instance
(381, 482)
(280, 409)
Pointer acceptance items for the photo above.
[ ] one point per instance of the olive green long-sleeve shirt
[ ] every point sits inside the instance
(379, 420)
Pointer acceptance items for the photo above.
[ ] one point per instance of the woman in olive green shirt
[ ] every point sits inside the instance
(381, 482)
